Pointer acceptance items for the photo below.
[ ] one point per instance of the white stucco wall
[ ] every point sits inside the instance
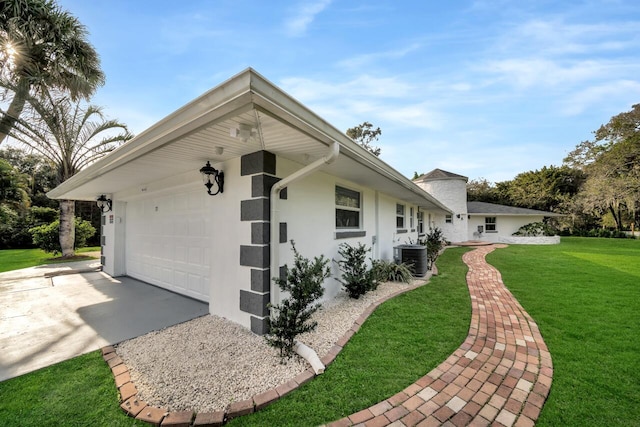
(453, 194)
(309, 212)
(506, 225)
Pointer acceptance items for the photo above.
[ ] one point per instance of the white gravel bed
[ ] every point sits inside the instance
(209, 362)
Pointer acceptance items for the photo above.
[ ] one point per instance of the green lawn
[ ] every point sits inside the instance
(14, 259)
(585, 296)
(78, 392)
(399, 343)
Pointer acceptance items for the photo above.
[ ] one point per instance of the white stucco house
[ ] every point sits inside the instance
(288, 175)
(477, 221)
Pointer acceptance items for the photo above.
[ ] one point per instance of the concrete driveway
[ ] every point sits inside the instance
(45, 320)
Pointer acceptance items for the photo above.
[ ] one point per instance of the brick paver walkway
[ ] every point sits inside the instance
(500, 375)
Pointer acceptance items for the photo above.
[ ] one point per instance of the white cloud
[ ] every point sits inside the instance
(364, 85)
(360, 61)
(304, 15)
(602, 95)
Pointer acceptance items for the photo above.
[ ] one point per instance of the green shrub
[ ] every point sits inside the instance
(434, 241)
(357, 279)
(47, 237)
(290, 318)
(535, 229)
(389, 271)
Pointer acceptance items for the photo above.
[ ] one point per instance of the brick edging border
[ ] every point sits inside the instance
(138, 409)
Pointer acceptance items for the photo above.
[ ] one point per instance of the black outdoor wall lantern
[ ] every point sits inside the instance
(212, 176)
(104, 204)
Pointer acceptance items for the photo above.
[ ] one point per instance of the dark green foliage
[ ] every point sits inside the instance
(47, 237)
(357, 279)
(536, 229)
(364, 134)
(598, 232)
(291, 317)
(389, 271)
(434, 241)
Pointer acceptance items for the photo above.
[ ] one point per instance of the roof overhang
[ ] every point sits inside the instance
(200, 132)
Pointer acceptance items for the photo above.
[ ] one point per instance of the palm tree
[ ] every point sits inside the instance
(43, 47)
(71, 135)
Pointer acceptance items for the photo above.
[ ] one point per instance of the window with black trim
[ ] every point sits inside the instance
(490, 223)
(399, 216)
(348, 208)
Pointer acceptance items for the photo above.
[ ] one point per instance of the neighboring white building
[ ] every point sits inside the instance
(288, 175)
(476, 220)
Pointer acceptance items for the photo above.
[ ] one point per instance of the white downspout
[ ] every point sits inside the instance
(330, 157)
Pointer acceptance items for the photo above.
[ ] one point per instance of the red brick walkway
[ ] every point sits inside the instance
(500, 375)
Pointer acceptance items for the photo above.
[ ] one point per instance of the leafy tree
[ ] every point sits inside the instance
(481, 190)
(13, 195)
(547, 189)
(43, 48)
(70, 135)
(40, 174)
(364, 135)
(611, 163)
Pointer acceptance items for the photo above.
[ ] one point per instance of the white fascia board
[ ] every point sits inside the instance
(229, 97)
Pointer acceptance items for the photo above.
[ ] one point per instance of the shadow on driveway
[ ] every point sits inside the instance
(47, 320)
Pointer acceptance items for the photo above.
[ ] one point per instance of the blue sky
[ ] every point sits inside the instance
(480, 88)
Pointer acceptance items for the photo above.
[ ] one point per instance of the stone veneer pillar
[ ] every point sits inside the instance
(261, 167)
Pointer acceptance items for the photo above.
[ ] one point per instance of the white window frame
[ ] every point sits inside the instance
(448, 219)
(411, 218)
(490, 226)
(349, 208)
(400, 216)
(420, 216)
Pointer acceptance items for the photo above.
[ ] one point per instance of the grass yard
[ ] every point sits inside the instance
(14, 259)
(585, 296)
(399, 343)
(78, 392)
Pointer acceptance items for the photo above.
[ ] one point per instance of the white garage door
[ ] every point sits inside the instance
(168, 243)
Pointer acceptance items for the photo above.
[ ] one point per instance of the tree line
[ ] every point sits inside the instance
(596, 187)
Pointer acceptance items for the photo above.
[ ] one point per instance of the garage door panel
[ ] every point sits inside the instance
(168, 243)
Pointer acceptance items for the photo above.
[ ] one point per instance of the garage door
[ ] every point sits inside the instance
(168, 243)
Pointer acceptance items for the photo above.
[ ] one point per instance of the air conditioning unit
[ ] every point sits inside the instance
(414, 256)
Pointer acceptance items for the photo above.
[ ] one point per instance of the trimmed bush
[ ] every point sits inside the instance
(47, 237)
(291, 317)
(356, 278)
(535, 229)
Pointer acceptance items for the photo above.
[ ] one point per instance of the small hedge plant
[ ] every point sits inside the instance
(535, 229)
(291, 317)
(356, 278)
(434, 241)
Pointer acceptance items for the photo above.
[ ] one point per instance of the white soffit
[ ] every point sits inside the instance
(186, 139)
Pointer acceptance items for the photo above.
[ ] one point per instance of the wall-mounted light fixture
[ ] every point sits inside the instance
(104, 204)
(212, 176)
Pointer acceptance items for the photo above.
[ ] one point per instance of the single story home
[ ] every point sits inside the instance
(273, 172)
(478, 221)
